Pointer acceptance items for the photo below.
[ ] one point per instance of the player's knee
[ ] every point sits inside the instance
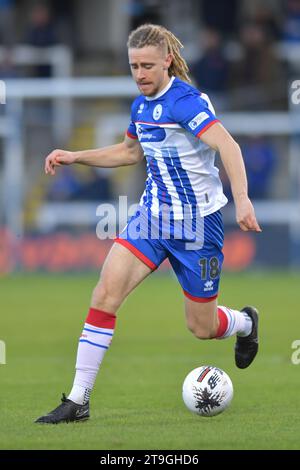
(103, 297)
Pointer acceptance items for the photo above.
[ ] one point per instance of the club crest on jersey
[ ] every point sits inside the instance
(157, 112)
(197, 120)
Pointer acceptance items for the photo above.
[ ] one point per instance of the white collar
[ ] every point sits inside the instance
(162, 92)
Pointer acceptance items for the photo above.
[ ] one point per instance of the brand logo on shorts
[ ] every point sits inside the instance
(197, 120)
(209, 285)
(157, 112)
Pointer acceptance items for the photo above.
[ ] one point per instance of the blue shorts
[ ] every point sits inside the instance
(193, 249)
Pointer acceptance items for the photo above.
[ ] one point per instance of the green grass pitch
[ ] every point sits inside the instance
(137, 400)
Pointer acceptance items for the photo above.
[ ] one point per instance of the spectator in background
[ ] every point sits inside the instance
(7, 24)
(269, 20)
(260, 159)
(41, 32)
(210, 71)
(258, 76)
(220, 15)
(291, 24)
(96, 188)
(64, 18)
(72, 185)
(65, 186)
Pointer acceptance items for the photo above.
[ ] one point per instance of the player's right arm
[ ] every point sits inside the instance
(126, 153)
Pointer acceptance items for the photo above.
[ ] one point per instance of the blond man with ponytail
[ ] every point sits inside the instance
(174, 127)
(158, 36)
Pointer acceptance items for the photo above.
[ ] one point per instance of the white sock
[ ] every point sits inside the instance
(80, 395)
(93, 344)
(237, 322)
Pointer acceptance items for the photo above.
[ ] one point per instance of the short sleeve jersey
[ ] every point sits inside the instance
(181, 169)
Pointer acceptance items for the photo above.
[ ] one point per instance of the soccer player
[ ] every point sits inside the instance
(173, 125)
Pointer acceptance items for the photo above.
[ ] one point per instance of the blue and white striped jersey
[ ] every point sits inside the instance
(180, 167)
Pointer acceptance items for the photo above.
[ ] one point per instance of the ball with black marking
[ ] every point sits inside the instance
(207, 391)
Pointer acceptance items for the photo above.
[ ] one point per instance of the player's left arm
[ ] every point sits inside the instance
(217, 137)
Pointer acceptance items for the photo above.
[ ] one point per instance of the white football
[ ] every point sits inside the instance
(207, 391)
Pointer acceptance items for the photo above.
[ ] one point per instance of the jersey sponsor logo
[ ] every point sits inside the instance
(197, 120)
(151, 134)
(157, 112)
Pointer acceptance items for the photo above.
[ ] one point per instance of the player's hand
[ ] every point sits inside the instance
(57, 158)
(245, 215)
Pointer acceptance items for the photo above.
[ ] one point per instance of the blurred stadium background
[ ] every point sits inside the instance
(64, 65)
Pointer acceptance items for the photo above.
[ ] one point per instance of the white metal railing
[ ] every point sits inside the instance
(59, 57)
(41, 88)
